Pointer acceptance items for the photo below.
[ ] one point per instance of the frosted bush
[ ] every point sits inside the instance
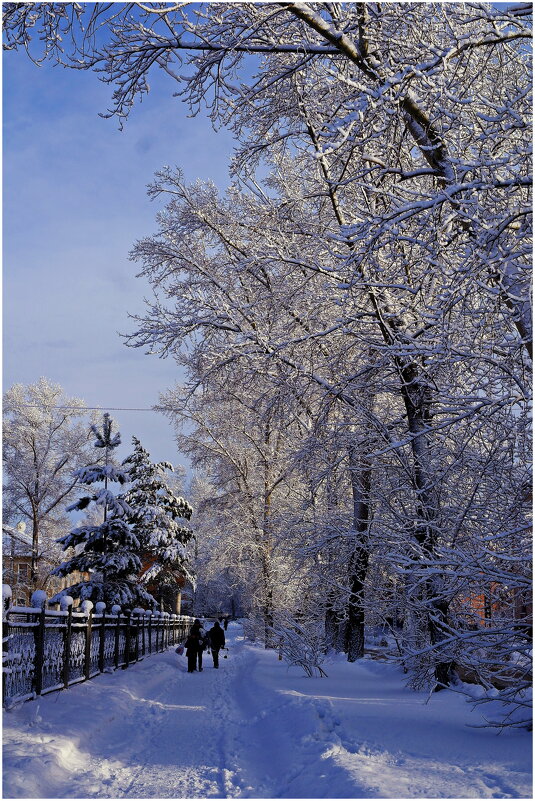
(301, 644)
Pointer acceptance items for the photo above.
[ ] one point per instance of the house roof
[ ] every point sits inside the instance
(12, 536)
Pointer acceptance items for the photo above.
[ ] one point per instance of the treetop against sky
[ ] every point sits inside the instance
(75, 198)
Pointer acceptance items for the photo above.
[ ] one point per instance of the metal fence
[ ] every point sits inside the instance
(45, 650)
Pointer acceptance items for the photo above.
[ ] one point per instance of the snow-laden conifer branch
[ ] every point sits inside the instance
(159, 518)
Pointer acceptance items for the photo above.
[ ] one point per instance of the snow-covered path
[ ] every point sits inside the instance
(254, 729)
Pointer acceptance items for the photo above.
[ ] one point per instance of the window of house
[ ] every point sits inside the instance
(23, 571)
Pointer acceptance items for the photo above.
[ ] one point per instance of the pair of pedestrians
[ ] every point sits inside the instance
(199, 640)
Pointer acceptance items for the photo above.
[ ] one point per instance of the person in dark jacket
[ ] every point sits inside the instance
(217, 641)
(192, 649)
(198, 631)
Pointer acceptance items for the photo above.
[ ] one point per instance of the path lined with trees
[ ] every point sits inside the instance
(352, 313)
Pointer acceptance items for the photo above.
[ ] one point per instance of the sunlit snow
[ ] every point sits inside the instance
(256, 729)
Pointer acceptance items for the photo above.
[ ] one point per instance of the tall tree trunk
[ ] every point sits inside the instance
(268, 610)
(358, 567)
(417, 400)
(268, 605)
(35, 552)
(335, 627)
(335, 622)
(35, 519)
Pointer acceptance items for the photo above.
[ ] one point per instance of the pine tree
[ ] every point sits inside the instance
(159, 523)
(109, 551)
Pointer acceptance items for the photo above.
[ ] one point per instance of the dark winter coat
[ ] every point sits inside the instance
(193, 644)
(217, 636)
(198, 631)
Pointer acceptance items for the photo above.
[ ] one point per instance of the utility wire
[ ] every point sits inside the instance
(97, 408)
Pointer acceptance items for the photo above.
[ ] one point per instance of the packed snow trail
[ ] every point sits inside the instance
(254, 729)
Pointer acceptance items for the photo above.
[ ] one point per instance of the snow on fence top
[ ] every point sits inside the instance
(47, 650)
(38, 599)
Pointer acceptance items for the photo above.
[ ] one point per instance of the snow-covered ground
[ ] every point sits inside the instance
(256, 729)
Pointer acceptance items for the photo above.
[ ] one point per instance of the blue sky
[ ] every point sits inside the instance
(74, 202)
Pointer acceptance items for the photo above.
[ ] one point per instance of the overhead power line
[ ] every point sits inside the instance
(99, 408)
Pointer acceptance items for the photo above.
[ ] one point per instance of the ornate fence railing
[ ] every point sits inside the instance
(45, 650)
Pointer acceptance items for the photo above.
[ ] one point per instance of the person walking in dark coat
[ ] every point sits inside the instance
(217, 641)
(192, 649)
(198, 632)
(225, 623)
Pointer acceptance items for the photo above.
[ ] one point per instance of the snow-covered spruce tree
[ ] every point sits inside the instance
(158, 521)
(109, 551)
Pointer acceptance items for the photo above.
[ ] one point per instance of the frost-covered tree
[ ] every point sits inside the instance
(266, 330)
(222, 585)
(239, 438)
(372, 258)
(107, 551)
(158, 518)
(45, 435)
